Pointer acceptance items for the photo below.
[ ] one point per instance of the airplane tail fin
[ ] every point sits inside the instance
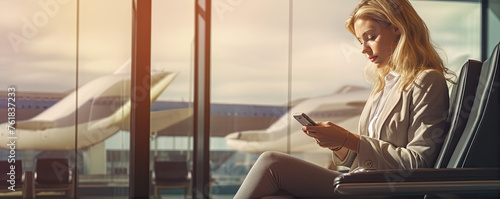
(125, 68)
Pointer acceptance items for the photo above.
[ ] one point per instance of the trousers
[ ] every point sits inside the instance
(279, 175)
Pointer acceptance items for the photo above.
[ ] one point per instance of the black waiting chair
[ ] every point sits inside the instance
(461, 101)
(53, 174)
(469, 162)
(171, 175)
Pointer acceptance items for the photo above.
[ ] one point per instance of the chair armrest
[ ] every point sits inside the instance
(70, 176)
(419, 182)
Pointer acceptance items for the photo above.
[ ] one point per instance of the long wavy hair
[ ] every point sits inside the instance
(414, 52)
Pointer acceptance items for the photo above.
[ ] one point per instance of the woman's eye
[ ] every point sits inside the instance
(372, 37)
(360, 41)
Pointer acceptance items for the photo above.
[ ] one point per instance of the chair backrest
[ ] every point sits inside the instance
(11, 171)
(52, 171)
(479, 145)
(461, 101)
(171, 171)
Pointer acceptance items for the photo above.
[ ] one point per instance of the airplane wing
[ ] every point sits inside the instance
(161, 119)
(35, 125)
(342, 107)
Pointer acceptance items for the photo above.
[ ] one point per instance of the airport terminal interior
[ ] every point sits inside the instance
(222, 80)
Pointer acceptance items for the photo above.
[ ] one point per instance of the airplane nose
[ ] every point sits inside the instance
(249, 136)
(233, 136)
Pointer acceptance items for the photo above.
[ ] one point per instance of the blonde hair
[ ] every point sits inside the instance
(414, 51)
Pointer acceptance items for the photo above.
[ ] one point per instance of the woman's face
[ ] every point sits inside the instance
(378, 40)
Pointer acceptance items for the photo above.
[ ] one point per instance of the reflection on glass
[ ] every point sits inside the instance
(104, 95)
(249, 86)
(171, 111)
(39, 75)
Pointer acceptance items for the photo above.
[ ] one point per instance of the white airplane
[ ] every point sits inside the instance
(103, 110)
(342, 107)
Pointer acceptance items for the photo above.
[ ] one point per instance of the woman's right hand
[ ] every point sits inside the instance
(327, 134)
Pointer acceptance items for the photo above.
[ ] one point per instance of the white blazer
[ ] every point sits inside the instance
(410, 130)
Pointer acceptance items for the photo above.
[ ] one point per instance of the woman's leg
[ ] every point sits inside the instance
(276, 172)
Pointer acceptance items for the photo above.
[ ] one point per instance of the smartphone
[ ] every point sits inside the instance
(304, 119)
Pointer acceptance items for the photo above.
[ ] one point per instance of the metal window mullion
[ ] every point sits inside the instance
(201, 122)
(139, 178)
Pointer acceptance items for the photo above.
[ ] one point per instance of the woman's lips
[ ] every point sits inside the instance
(372, 58)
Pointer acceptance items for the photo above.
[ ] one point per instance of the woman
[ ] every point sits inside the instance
(402, 123)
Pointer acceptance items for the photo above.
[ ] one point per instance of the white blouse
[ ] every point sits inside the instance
(379, 101)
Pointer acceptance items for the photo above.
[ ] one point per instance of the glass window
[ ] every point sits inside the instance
(104, 92)
(457, 31)
(249, 85)
(258, 71)
(38, 61)
(172, 49)
(493, 25)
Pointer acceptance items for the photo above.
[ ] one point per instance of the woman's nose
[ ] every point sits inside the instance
(365, 48)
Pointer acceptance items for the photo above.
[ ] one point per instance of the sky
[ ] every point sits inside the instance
(250, 45)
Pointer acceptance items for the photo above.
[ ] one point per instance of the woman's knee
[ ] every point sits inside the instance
(273, 158)
(270, 155)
